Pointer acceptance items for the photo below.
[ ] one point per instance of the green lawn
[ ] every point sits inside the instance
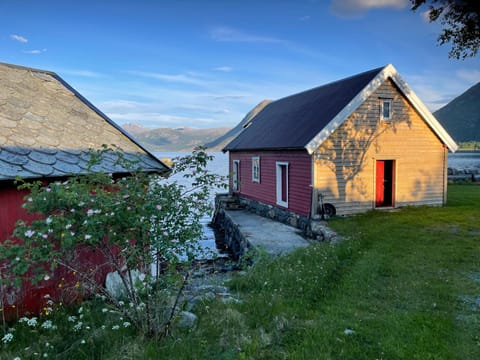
(405, 285)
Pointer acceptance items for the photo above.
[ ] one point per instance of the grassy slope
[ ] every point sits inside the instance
(407, 283)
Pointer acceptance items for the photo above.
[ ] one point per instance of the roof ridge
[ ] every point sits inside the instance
(22, 67)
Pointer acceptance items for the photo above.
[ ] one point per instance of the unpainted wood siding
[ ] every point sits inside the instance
(299, 177)
(345, 163)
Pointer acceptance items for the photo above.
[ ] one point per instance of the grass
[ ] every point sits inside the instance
(404, 285)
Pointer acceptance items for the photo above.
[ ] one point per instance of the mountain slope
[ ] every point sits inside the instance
(177, 139)
(461, 116)
(219, 143)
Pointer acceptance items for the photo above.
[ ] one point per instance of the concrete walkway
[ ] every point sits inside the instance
(271, 236)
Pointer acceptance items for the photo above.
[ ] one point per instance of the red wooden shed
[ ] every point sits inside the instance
(46, 131)
(355, 142)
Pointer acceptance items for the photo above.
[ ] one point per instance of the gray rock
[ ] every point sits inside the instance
(186, 319)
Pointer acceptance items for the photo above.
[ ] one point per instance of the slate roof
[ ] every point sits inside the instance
(306, 119)
(47, 129)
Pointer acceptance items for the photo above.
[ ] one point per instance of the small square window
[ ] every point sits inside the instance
(256, 169)
(386, 109)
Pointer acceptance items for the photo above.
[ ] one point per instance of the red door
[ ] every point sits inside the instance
(379, 186)
(384, 183)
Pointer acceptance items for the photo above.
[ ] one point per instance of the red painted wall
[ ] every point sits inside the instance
(299, 177)
(62, 287)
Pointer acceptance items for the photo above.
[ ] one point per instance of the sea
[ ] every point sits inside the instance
(219, 165)
(209, 242)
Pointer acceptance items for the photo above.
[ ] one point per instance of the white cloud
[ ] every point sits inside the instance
(188, 78)
(305, 18)
(348, 8)
(19, 38)
(37, 51)
(223, 68)
(472, 76)
(228, 34)
(81, 73)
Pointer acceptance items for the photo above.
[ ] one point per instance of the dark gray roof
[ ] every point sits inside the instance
(292, 122)
(47, 129)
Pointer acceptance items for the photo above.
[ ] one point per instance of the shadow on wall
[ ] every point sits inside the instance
(347, 151)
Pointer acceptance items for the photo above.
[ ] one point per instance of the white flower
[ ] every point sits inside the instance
(82, 342)
(29, 233)
(121, 303)
(80, 310)
(348, 331)
(48, 189)
(104, 310)
(16, 358)
(32, 322)
(46, 277)
(47, 324)
(78, 326)
(68, 226)
(87, 237)
(126, 324)
(48, 220)
(89, 212)
(7, 338)
(72, 318)
(115, 327)
(29, 199)
(23, 319)
(44, 236)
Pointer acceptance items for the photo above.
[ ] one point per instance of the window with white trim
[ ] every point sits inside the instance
(236, 175)
(386, 109)
(256, 169)
(282, 183)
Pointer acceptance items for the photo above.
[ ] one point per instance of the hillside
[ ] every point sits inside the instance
(461, 116)
(173, 139)
(219, 143)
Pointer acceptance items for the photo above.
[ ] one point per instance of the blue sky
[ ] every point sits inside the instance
(206, 63)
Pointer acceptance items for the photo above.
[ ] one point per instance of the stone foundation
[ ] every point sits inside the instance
(235, 240)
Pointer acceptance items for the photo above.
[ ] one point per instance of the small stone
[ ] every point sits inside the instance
(186, 319)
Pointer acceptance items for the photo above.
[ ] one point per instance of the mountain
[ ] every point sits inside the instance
(461, 116)
(219, 143)
(173, 139)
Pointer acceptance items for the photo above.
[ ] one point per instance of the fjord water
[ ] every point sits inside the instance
(219, 165)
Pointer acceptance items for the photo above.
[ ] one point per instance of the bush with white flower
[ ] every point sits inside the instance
(136, 223)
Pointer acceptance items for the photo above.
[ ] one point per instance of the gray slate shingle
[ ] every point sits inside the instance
(47, 128)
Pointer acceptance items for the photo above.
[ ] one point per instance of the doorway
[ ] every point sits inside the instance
(385, 183)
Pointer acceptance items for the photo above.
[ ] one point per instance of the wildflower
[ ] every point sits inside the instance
(23, 319)
(48, 189)
(46, 277)
(80, 310)
(159, 207)
(104, 310)
(16, 358)
(115, 327)
(47, 324)
(126, 324)
(88, 237)
(82, 342)
(29, 233)
(78, 326)
(72, 318)
(68, 226)
(44, 236)
(89, 212)
(121, 303)
(48, 220)
(7, 338)
(32, 322)
(29, 199)
(17, 259)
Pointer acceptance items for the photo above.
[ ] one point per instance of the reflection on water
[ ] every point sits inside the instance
(219, 165)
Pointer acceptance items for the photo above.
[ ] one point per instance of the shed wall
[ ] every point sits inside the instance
(345, 162)
(299, 177)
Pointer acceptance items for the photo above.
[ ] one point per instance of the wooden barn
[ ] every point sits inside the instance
(46, 131)
(364, 142)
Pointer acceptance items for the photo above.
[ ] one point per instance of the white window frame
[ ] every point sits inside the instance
(236, 175)
(256, 169)
(278, 166)
(382, 109)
